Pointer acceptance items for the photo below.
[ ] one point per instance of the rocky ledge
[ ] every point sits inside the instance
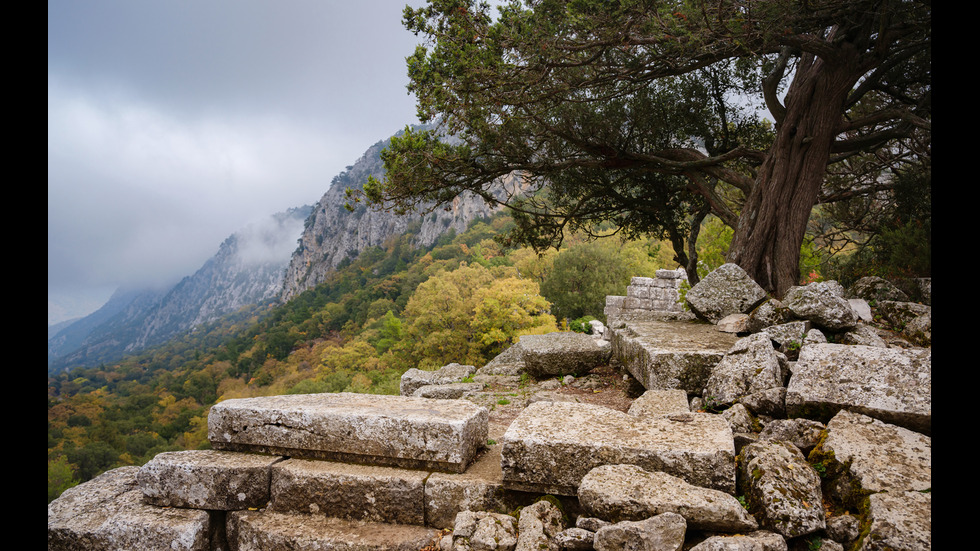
(773, 425)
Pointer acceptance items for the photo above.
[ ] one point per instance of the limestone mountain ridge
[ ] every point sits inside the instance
(333, 234)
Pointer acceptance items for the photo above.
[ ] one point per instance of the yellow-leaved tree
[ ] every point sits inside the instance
(470, 314)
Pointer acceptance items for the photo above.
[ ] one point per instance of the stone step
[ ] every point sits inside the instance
(664, 355)
(396, 431)
(267, 530)
(207, 479)
(550, 447)
(108, 513)
(349, 491)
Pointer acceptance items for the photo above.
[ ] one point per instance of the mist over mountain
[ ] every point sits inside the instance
(261, 264)
(247, 270)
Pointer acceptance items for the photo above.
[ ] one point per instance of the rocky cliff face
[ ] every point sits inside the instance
(333, 233)
(247, 270)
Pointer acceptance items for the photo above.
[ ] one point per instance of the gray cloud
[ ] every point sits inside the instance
(173, 124)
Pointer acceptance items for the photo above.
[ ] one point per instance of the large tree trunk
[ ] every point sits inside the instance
(774, 217)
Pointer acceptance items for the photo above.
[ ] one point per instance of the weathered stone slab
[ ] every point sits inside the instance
(449, 391)
(660, 403)
(865, 455)
(268, 530)
(107, 513)
(354, 492)
(660, 533)
(561, 353)
(664, 355)
(398, 431)
(551, 446)
(759, 540)
(207, 479)
(414, 378)
(627, 492)
(894, 385)
(900, 521)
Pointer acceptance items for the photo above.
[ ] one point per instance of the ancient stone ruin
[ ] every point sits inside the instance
(744, 424)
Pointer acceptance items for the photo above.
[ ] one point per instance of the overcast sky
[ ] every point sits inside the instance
(174, 123)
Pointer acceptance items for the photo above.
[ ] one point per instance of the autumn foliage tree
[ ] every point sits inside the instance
(470, 314)
(648, 114)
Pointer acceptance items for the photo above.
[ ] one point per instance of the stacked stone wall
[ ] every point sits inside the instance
(646, 295)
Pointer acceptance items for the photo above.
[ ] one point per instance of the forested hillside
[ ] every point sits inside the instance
(393, 307)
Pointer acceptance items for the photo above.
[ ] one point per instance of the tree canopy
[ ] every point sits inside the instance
(651, 114)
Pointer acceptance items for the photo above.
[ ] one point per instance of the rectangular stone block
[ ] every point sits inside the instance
(638, 291)
(614, 301)
(349, 491)
(641, 281)
(551, 446)
(207, 479)
(268, 530)
(637, 303)
(396, 431)
(893, 385)
(664, 355)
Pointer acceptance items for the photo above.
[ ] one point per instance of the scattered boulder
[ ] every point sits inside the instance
(759, 540)
(659, 403)
(538, 525)
(789, 334)
(805, 434)
(726, 290)
(414, 378)
(823, 304)
(561, 353)
(770, 402)
(575, 539)
(861, 308)
(663, 532)
(734, 323)
(864, 335)
(448, 391)
(781, 489)
(484, 531)
(919, 330)
(627, 492)
(396, 431)
(770, 312)
(671, 355)
(751, 365)
(876, 289)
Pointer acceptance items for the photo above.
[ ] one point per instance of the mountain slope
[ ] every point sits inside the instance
(334, 234)
(247, 270)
